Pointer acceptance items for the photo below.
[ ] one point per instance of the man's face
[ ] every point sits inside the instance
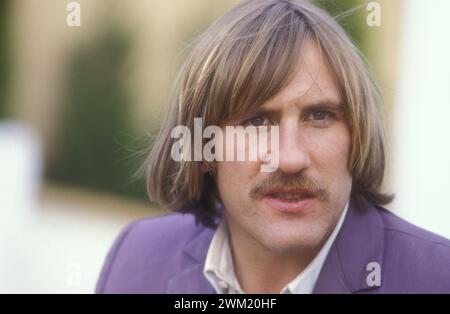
(296, 207)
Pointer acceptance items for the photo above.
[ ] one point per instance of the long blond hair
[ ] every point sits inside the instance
(241, 61)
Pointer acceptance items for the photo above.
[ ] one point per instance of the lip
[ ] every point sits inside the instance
(289, 191)
(286, 206)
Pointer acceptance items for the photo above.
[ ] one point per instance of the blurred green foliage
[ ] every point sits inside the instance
(96, 134)
(351, 15)
(4, 55)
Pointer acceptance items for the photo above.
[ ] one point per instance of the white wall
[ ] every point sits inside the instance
(421, 146)
(20, 175)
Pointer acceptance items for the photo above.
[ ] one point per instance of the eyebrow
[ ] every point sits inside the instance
(338, 106)
(323, 104)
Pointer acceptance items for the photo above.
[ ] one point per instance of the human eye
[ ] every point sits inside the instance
(256, 121)
(321, 116)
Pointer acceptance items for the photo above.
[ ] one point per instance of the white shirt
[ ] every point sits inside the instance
(219, 268)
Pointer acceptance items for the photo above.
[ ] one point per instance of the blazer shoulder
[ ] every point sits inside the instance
(165, 228)
(146, 245)
(397, 225)
(415, 260)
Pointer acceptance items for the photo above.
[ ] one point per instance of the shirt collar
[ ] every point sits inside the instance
(219, 268)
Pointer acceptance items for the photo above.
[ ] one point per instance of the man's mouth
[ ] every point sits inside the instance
(289, 200)
(289, 195)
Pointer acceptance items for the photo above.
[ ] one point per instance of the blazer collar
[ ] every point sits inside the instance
(359, 242)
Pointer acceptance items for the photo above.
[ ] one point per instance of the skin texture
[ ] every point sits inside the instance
(270, 247)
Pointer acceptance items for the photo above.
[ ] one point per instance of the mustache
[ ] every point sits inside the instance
(280, 180)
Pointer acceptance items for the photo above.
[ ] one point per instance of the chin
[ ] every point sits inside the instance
(284, 239)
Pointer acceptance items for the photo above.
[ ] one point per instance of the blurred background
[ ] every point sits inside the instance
(80, 102)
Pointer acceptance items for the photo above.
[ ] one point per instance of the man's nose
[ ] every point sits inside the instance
(293, 152)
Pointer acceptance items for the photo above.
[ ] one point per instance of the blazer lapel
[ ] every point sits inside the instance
(359, 242)
(191, 278)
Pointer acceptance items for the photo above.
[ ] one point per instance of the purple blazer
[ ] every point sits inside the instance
(166, 254)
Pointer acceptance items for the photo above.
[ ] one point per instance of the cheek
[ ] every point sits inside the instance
(340, 149)
(330, 155)
(338, 161)
(236, 177)
(232, 174)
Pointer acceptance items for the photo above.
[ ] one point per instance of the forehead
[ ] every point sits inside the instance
(312, 82)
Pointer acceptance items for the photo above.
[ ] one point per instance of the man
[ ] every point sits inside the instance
(313, 225)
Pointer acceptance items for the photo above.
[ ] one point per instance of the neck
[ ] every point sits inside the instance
(260, 270)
